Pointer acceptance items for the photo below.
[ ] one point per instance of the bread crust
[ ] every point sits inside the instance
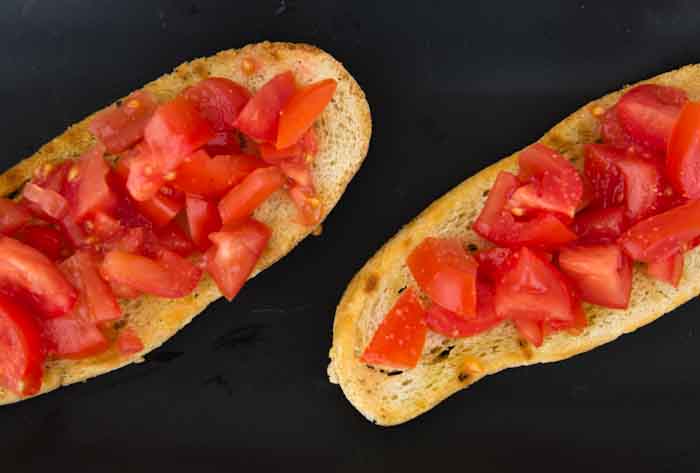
(448, 366)
(343, 131)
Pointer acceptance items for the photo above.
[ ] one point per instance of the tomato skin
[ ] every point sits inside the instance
(94, 194)
(602, 225)
(46, 202)
(171, 237)
(44, 238)
(12, 216)
(606, 180)
(202, 219)
(302, 109)
(23, 266)
(664, 234)
(240, 202)
(642, 185)
(683, 157)
(259, 119)
(219, 100)
(234, 254)
(446, 273)
(602, 274)
(121, 125)
(612, 132)
(82, 271)
(309, 206)
(451, 325)
(22, 351)
(399, 339)
(128, 342)
(669, 270)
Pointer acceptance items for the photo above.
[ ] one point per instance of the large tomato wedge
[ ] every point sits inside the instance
(602, 274)
(648, 113)
(669, 269)
(202, 219)
(600, 225)
(234, 253)
(94, 194)
(683, 158)
(532, 289)
(259, 119)
(121, 125)
(400, 337)
(21, 349)
(242, 200)
(302, 109)
(82, 271)
(45, 202)
(219, 100)
(12, 216)
(24, 267)
(663, 235)
(607, 183)
(452, 325)
(446, 273)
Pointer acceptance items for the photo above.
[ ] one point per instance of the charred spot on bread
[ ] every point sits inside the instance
(402, 289)
(371, 282)
(463, 377)
(472, 247)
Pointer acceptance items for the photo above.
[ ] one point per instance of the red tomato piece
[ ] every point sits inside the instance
(224, 142)
(668, 270)
(82, 271)
(272, 155)
(73, 336)
(302, 109)
(530, 330)
(121, 125)
(45, 238)
(242, 200)
(309, 206)
(600, 225)
(452, 325)
(145, 177)
(664, 234)
(612, 131)
(602, 274)
(532, 289)
(208, 177)
(105, 226)
(400, 337)
(132, 240)
(94, 194)
(683, 158)
(12, 216)
(446, 273)
(607, 183)
(162, 208)
(128, 341)
(24, 267)
(172, 237)
(642, 185)
(219, 100)
(53, 176)
(45, 202)
(648, 112)
(493, 263)
(259, 119)
(21, 349)
(202, 219)
(234, 254)
(299, 171)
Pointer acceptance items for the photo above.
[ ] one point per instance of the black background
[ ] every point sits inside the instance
(453, 87)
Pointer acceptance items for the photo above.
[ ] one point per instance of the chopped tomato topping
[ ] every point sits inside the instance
(600, 225)
(219, 100)
(172, 237)
(105, 226)
(202, 219)
(121, 125)
(683, 159)
(302, 109)
(530, 330)
(224, 142)
(145, 178)
(309, 206)
(45, 238)
(242, 200)
(400, 337)
(607, 183)
(642, 185)
(612, 131)
(12, 216)
(94, 194)
(45, 202)
(74, 336)
(452, 325)
(128, 341)
(669, 269)
(493, 263)
(82, 271)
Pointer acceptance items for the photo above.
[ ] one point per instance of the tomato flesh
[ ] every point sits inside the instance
(309, 206)
(452, 325)
(82, 271)
(530, 330)
(240, 202)
(224, 142)
(21, 349)
(260, 117)
(45, 202)
(669, 270)
(74, 336)
(683, 158)
(128, 342)
(202, 219)
(400, 337)
(45, 238)
(607, 183)
(602, 225)
(219, 100)
(121, 125)
(302, 109)
(12, 216)
(94, 194)
(612, 132)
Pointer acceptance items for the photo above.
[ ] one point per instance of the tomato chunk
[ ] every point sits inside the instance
(121, 125)
(612, 131)
(74, 336)
(648, 113)
(642, 185)
(600, 225)
(532, 289)
(171, 237)
(493, 263)
(202, 219)
(45, 238)
(400, 337)
(530, 330)
(669, 269)
(94, 194)
(21, 349)
(602, 274)
(309, 206)
(219, 100)
(234, 254)
(452, 325)
(128, 341)
(302, 109)
(242, 200)
(446, 273)
(12, 216)
(45, 202)
(683, 159)
(607, 183)
(663, 235)
(82, 271)
(224, 142)
(259, 119)
(25, 267)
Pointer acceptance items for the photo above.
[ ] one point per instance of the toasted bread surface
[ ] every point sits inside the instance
(450, 365)
(343, 132)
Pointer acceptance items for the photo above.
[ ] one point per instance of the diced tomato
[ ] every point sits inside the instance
(132, 240)
(12, 216)
(145, 177)
(219, 100)
(105, 226)
(612, 131)
(446, 273)
(73, 336)
(21, 349)
(53, 176)
(242, 200)
(122, 291)
(45, 202)
(602, 274)
(600, 225)
(452, 325)
(669, 269)
(259, 119)
(532, 289)
(302, 109)
(576, 325)
(224, 142)
(234, 254)
(211, 177)
(493, 263)
(94, 194)
(683, 158)
(45, 238)
(530, 330)
(299, 171)
(172, 237)
(185, 275)
(82, 271)
(202, 219)
(309, 206)
(663, 235)
(642, 185)
(272, 155)
(73, 232)
(606, 180)
(400, 337)
(587, 195)
(23, 266)
(648, 113)
(161, 209)
(121, 125)
(128, 341)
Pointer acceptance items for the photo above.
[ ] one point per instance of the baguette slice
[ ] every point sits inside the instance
(449, 365)
(343, 132)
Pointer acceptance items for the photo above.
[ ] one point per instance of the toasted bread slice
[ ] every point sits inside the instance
(343, 132)
(449, 365)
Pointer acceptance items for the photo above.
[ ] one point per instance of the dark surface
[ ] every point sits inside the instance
(452, 88)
